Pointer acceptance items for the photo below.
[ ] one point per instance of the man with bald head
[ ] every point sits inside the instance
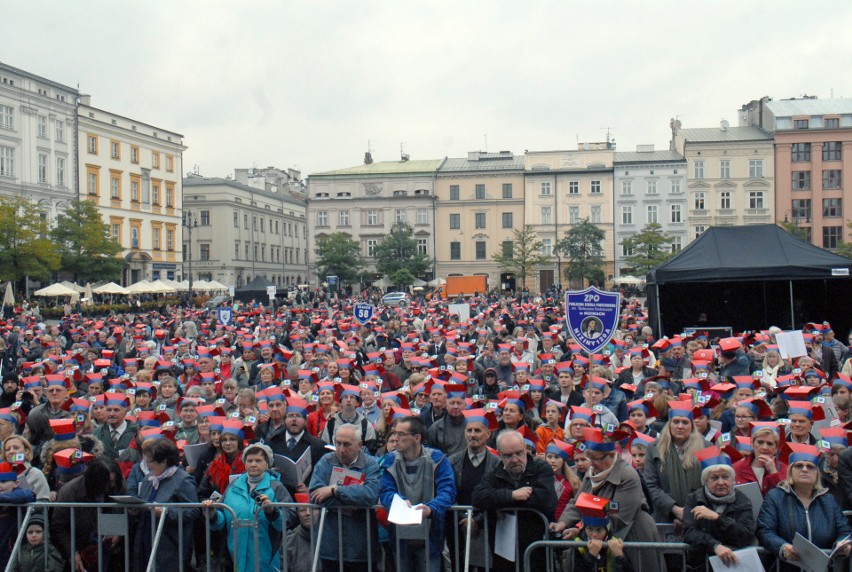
(519, 481)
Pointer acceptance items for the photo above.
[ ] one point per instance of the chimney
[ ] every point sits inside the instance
(723, 125)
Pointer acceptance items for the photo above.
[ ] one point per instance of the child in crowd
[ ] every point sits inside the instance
(299, 553)
(31, 557)
(595, 557)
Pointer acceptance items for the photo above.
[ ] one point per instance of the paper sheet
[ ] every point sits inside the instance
(752, 491)
(811, 558)
(506, 537)
(747, 561)
(293, 473)
(791, 344)
(401, 513)
(192, 453)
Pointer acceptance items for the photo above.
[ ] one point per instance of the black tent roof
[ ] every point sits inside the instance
(757, 252)
(259, 284)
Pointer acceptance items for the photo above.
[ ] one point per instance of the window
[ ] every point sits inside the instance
(801, 180)
(42, 126)
(421, 246)
(676, 186)
(800, 124)
(7, 161)
(652, 214)
(832, 151)
(699, 169)
(455, 221)
(60, 131)
(480, 192)
(626, 249)
(7, 117)
(677, 244)
(371, 247)
(626, 187)
(116, 232)
(399, 193)
(832, 207)
(134, 191)
(699, 230)
(170, 240)
(155, 193)
(831, 123)
(626, 215)
(573, 187)
(755, 200)
(114, 150)
(155, 159)
(205, 218)
(92, 144)
(832, 236)
(676, 214)
(236, 219)
(255, 252)
(725, 200)
(263, 253)
(42, 168)
(170, 163)
(134, 154)
(755, 168)
(155, 238)
(246, 257)
(801, 152)
(92, 183)
(801, 209)
(134, 237)
(60, 171)
(507, 220)
(508, 249)
(479, 220)
(322, 219)
(399, 216)
(507, 190)
(115, 187)
(544, 188)
(480, 250)
(724, 169)
(546, 215)
(245, 223)
(454, 192)
(261, 225)
(342, 218)
(170, 196)
(595, 214)
(547, 247)
(455, 250)
(237, 250)
(573, 215)
(422, 216)
(596, 187)
(831, 179)
(205, 252)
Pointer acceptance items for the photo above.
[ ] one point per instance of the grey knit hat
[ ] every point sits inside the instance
(253, 448)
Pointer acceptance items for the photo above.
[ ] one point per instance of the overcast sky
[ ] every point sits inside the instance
(308, 84)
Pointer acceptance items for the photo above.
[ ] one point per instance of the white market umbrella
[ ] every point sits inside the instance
(183, 286)
(77, 288)
(158, 287)
(9, 296)
(437, 282)
(200, 285)
(110, 288)
(628, 280)
(140, 287)
(56, 290)
(418, 282)
(383, 283)
(216, 286)
(87, 294)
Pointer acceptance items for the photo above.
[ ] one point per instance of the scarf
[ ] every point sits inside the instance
(221, 469)
(681, 481)
(598, 478)
(156, 479)
(254, 481)
(719, 504)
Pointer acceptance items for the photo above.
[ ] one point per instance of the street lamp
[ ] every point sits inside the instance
(190, 222)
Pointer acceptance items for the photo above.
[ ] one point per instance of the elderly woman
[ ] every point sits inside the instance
(800, 504)
(671, 469)
(611, 477)
(250, 497)
(717, 519)
(762, 465)
(16, 448)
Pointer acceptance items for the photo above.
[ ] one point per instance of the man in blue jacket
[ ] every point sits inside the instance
(424, 478)
(333, 488)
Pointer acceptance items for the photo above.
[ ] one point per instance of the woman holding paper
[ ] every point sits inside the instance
(800, 504)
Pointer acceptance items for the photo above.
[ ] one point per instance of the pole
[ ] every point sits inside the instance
(792, 309)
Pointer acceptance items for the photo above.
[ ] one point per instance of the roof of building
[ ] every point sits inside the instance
(486, 162)
(39, 78)
(714, 134)
(792, 107)
(649, 157)
(386, 168)
(196, 181)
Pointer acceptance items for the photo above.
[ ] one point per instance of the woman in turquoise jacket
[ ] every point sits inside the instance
(249, 496)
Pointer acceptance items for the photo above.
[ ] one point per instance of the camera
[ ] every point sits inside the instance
(256, 496)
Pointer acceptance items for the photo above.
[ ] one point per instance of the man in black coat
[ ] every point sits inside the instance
(295, 441)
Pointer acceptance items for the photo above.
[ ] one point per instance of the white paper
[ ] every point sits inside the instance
(401, 513)
(747, 561)
(791, 344)
(293, 473)
(752, 491)
(463, 311)
(811, 558)
(506, 537)
(192, 453)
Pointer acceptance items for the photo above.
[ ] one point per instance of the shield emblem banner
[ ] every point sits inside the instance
(363, 312)
(592, 317)
(225, 315)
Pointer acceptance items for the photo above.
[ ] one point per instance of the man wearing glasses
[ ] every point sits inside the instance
(520, 481)
(424, 478)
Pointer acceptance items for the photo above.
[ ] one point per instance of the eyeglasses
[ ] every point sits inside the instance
(401, 434)
(743, 417)
(596, 459)
(804, 466)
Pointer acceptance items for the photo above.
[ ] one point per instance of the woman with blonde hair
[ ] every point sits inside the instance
(15, 446)
(671, 469)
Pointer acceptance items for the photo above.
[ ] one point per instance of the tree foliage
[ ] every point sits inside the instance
(583, 249)
(25, 249)
(338, 255)
(83, 241)
(398, 251)
(796, 230)
(525, 256)
(650, 248)
(845, 248)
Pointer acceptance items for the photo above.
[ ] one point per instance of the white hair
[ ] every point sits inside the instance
(356, 429)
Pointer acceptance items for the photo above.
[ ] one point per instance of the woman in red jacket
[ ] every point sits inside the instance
(762, 466)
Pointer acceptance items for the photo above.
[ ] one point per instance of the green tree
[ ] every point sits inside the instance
(83, 241)
(583, 250)
(402, 278)
(338, 255)
(25, 249)
(522, 256)
(649, 248)
(796, 230)
(398, 251)
(845, 248)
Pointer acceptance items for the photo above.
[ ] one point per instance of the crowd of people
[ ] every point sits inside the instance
(645, 441)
